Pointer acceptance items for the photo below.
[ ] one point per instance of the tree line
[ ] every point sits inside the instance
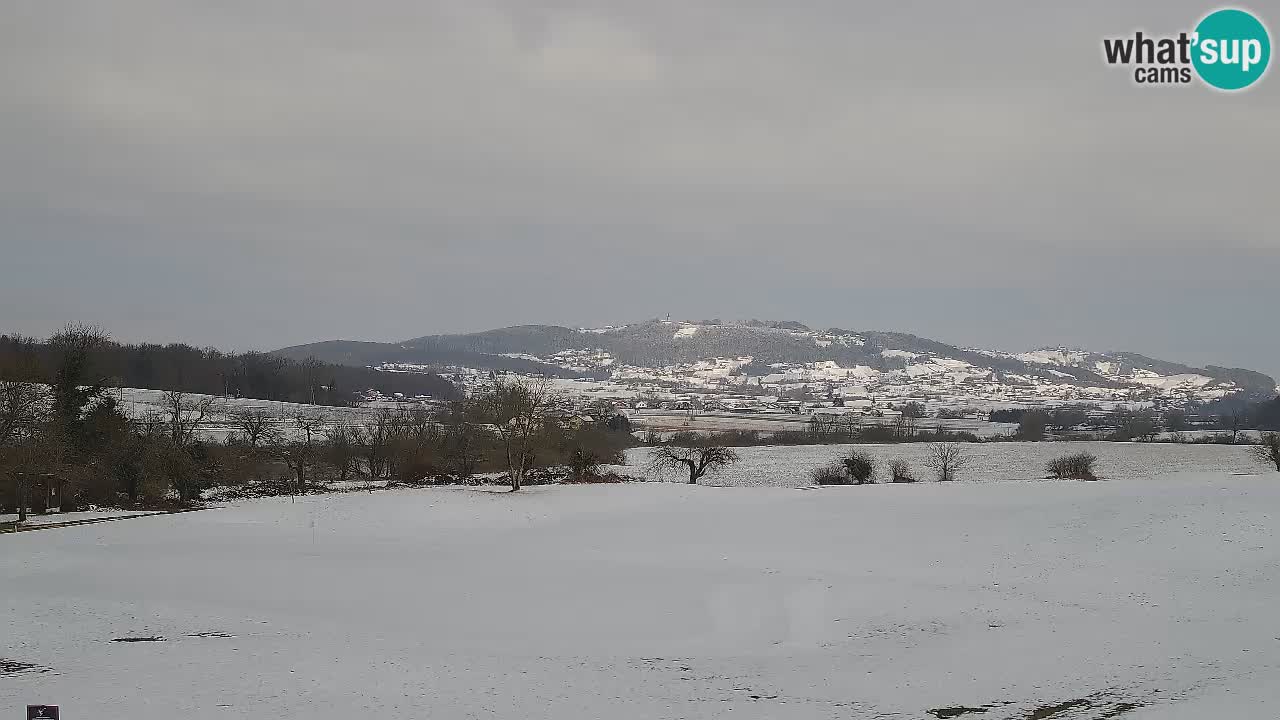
(66, 443)
(1143, 424)
(210, 371)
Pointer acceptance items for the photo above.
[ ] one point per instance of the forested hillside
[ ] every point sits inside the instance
(207, 370)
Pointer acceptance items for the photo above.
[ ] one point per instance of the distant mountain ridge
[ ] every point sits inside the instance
(761, 345)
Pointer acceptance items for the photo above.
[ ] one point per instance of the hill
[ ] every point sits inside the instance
(727, 356)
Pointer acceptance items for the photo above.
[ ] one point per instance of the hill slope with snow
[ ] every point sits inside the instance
(778, 357)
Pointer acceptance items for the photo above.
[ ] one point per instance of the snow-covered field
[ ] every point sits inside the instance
(788, 466)
(219, 422)
(1136, 598)
(769, 422)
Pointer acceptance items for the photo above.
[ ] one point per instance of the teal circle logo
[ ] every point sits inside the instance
(1231, 49)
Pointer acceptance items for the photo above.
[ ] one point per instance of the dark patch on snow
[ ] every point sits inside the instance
(149, 638)
(14, 667)
(1105, 704)
(951, 712)
(1051, 711)
(1120, 709)
(665, 664)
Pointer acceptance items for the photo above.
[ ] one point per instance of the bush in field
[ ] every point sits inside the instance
(582, 464)
(900, 472)
(860, 467)
(832, 474)
(1077, 466)
(857, 468)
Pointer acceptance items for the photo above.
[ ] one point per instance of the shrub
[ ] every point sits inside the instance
(583, 464)
(1077, 466)
(832, 474)
(900, 472)
(602, 478)
(860, 467)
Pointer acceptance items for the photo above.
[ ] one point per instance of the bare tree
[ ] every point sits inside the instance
(417, 426)
(375, 438)
(904, 426)
(310, 369)
(946, 459)
(340, 452)
(308, 426)
(462, 437)
(518, 411)
(825, 425)
(852, 424)
(299, 453)
(186, 415)
(900, 472)
(697, 460)
(1233, 422)
(255, 426)
(152, 424)
(257, 431)
(415, 439)
(1267, 451)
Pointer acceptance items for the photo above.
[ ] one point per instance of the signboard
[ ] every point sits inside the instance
(42, 712)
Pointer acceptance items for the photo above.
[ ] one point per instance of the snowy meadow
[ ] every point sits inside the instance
(1151, 595)
(789, 465)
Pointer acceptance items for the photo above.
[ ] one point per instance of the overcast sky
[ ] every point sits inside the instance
(254, 174)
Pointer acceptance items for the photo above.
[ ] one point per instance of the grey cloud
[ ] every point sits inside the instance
(259, 174)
